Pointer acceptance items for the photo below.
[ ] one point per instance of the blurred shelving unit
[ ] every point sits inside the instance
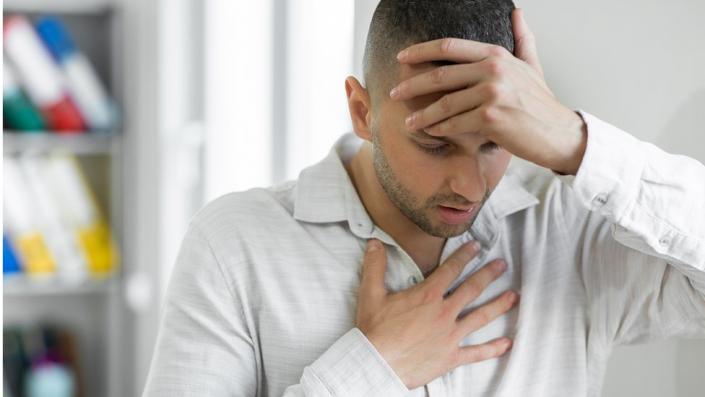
(16, 142)
(96, 310)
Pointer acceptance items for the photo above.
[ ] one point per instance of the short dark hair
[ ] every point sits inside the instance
(397, 24)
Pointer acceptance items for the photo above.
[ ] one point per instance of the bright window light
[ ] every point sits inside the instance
(320, 56)
(238, 95)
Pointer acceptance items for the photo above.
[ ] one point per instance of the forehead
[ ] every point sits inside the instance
(407, 71)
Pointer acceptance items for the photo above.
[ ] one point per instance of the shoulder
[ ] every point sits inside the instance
(538, 181)
(556, 199)
(240, 213)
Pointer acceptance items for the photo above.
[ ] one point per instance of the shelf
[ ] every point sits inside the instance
(19, 286)
(42, 142)
(58, 6)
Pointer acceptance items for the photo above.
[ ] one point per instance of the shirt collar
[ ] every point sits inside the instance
(325, 194)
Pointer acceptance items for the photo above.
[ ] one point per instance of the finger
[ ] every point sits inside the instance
(450, 49)
(442, 78)
(469, 122)
(374, 266)
(525, 41)
(447, 106)
(453, 266)
(485, 351)
(474, 285)
(487, 313)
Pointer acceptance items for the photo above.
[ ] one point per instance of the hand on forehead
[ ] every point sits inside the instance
(407, 71)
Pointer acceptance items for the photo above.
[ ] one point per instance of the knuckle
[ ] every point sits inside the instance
(449, 125)
(462, 255)
(488, 115)
(446, 313)
(446, 45)
(498, 51)
(446, 104)
(483, 316)
(474, 354)
(494, 91)
(495, 67)
(451, 264)
(456, 335)
(438, 75)
(455, 358)
(473, 290)
(429, 294)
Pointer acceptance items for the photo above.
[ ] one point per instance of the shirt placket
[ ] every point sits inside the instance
(403, 270)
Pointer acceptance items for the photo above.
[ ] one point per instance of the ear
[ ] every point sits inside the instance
(360, 107)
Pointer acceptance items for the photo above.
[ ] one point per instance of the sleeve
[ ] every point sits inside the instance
(204, 347)
(642, 229)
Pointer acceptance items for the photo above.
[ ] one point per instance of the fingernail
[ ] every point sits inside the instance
(476, 246)
(500, 265)
(402, 55)
(372, 245)
(394, 92)
(410, 120)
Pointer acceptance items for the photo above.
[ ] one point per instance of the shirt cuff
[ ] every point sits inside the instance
(353, 367)
(609, 174)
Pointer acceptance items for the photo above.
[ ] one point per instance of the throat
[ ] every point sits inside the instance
(424, 249)
(425, 254)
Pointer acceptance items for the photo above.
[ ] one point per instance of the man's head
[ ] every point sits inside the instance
(423, 175)
(397, 24)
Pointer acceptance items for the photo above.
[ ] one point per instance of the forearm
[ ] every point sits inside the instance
(655, 200)
(643, 243)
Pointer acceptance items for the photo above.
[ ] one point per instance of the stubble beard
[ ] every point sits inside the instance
(405, 201)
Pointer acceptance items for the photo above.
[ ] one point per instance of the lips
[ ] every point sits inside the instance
(456, 215)
(466, 209)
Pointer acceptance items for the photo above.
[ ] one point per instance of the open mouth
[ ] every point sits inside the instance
(456, 216)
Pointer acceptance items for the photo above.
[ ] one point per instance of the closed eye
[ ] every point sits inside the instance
(440, 149)
(435, 150)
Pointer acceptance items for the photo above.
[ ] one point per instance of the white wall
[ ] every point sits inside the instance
(641, 66)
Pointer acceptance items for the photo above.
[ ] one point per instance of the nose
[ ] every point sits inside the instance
(467, 180)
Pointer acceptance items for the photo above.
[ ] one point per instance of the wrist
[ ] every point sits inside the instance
(576, 144)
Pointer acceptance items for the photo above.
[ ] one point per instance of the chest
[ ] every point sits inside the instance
(299, 306)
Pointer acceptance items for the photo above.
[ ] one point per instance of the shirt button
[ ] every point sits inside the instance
(664, 241)
(601, 199)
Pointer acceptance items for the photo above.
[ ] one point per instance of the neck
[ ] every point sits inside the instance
(423, 248)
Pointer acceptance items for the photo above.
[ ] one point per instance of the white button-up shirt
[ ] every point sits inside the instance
(262, 297)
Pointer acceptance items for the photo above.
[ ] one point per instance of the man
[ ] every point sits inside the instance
(269, 297)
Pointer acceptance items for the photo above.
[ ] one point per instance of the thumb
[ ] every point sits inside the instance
(374, 266)
(524, 41)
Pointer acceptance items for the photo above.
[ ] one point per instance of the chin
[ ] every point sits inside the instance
(444, 230)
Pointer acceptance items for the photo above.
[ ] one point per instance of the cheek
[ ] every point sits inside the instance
(496, 167)
(416, 171)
